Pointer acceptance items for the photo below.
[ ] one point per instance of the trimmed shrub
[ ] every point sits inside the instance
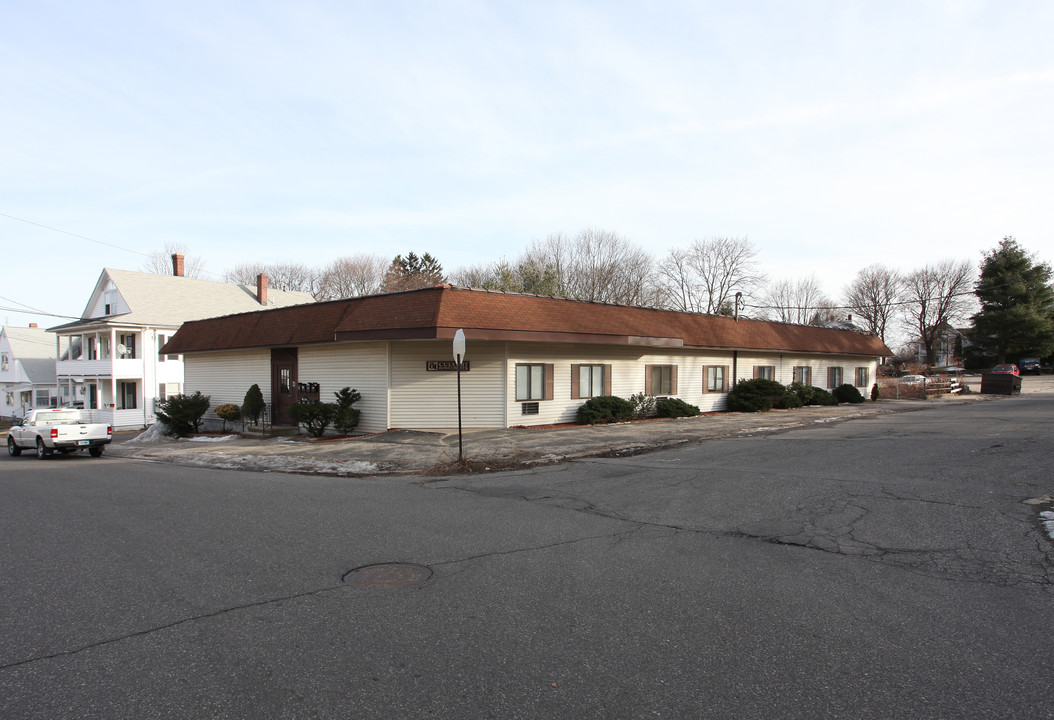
(183, 413)
(605, 409)
(812, 395)
(253, 404)
(315, 416)
(847, 394)
(757, 395)
(874, 392)
(675, 407)
(643, 405)
(228, 411)
(346, 417)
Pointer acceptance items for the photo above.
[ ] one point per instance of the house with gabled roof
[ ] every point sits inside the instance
(529, 360)
(27, 370)
(108, 360)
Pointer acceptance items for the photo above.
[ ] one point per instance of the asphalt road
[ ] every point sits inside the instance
(887, 567)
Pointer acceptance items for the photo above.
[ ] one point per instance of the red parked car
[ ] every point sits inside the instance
(1006, 370)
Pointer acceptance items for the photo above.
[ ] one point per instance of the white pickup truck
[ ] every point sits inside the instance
(61, 430)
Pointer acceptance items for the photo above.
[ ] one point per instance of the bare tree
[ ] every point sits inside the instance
(351, 276)
(595, 265)
(938, 296)
(159, 262)
(294, 277)
(707, 276)
(873, 296)
(802, 302)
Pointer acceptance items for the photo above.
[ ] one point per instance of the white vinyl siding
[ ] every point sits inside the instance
(360, 366)
(423, 398)
(226, 376)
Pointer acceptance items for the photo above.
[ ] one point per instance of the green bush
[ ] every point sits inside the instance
(183, 413)
(847, 394)
(228, 411)
(812, 395)
(643, 405)
(315, 416)
(756, 395)
(253, 404)
(675, 407)
(605, 409)
(346, 417)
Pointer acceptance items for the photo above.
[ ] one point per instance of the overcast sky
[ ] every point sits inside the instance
(832, 134)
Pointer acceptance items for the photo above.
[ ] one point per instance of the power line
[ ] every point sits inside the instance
(66, 232)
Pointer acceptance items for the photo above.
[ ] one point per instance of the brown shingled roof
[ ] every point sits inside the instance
(487, 315)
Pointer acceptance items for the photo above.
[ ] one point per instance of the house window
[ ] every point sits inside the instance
(285, 380)
(109, 302)
(530, 382)
(863, 376)
(715, 378)
(44, 398)
(3, 363)
(765, 372)
(129, 346)
(93, 349)
(161, 340)
(834, 377)
(590, 380)
(166, 390)
(127, 391)
(660, 380)
(803, 375)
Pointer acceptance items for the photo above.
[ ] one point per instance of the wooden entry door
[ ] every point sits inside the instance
(283, 384)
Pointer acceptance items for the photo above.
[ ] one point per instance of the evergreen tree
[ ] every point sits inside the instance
(1017, 304)
(412, 273)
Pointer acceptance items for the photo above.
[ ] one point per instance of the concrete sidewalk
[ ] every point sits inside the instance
(436, 452)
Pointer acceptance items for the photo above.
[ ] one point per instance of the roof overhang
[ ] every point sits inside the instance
(442, 333)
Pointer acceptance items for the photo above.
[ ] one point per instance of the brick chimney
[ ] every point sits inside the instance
(261, 288)
(177, 265)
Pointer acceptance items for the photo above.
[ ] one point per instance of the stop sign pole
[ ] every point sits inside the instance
(459, 353)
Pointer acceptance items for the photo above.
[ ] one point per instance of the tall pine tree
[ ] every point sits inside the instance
(1017, 305)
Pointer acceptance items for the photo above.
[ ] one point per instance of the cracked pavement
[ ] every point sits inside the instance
(891, 565)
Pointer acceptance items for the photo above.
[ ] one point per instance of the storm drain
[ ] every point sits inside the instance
(389, 576)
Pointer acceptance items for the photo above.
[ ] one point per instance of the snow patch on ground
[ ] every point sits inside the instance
(1048, 522)
(209, 439)
(155, 433)
(277, 464)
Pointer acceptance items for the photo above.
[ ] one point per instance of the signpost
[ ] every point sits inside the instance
(459, 353)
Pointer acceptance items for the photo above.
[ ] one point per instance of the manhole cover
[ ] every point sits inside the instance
(389, 576)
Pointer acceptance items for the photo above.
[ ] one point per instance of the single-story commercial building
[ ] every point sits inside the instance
(529, 360)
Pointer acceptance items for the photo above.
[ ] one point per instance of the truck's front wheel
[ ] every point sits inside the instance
(12, 449)
(42, 451)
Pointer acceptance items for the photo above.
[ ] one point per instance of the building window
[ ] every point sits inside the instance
(863, 376)
(530, 382)
(765, 372)
(285, 380)
(803, 375)
(166, 390)
(590, 380)
(660, 380)
(129, 346)
(161, 340)
(128, 395)
(3, 362)
(44, 398)
(715, 378)
(834, 377)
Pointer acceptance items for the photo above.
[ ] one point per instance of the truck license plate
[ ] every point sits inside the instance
(84, 442)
